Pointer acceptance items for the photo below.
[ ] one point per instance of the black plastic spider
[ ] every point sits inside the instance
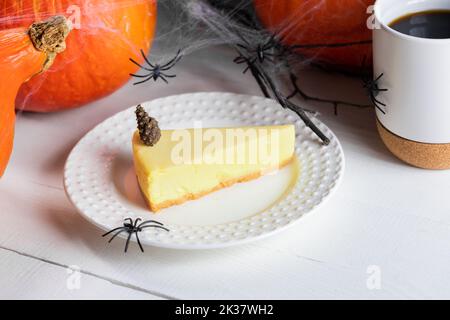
(131, 227)
(373, 89)
(156, 70)
(260, 53)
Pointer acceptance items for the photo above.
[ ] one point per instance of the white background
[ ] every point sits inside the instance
(385, 214)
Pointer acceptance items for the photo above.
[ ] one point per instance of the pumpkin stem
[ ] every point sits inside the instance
(49, 36)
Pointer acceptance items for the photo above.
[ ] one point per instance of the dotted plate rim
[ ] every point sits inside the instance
(90, 191)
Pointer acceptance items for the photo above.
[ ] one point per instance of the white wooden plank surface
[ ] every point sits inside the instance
(385, 214)
(27, 278)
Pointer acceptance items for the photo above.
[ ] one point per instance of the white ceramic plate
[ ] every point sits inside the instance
(100, 180)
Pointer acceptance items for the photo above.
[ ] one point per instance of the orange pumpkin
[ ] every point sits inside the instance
(106, 34)
(23, 54)
(311, 22)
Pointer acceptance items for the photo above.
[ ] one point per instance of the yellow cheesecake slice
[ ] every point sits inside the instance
(187, 164)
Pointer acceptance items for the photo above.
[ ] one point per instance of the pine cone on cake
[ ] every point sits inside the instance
(148, 127)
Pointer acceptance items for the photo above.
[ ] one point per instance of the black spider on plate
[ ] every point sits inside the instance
(373, 89)
(132, 227)
(156, 71)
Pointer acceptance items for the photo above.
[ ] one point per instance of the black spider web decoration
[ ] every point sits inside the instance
(264, 52)
(134, 227)
(255, 57)
(196, 24)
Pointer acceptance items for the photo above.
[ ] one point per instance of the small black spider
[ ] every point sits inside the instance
(156, 70)
(131, 227)
(260, 53)
(373, 89)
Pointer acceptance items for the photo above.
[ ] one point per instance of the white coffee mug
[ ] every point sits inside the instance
(416, 72)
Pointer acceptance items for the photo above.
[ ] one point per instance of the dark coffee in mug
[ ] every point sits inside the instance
(427, 24)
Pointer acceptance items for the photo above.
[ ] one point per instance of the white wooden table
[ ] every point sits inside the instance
(385, 233)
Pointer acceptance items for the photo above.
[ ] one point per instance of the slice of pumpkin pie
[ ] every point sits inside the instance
(174, 166)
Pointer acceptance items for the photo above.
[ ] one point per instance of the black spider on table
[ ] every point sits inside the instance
(373, 88)
(132, 227)
(262, 52)
(156, 71)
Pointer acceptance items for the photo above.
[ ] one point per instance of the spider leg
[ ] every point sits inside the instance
(138, 75)
(172, 62)
(267, 46)
(239, 60)
(372, 96)
(149, 221)
(113, 230)
(164, 79)
(379, 77)
(378, 101)
(246, 69)
(379, 108)
(116, 234)
(158, 227)
(136, 222)
(169, 75)
(146, 59)
(377, 104)
(128, 241)
(139, 242)
(143, 81)
(176, 61)
(136, 63)
(249, 64)
(376, 91)
(140, 66)
(168, 66)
